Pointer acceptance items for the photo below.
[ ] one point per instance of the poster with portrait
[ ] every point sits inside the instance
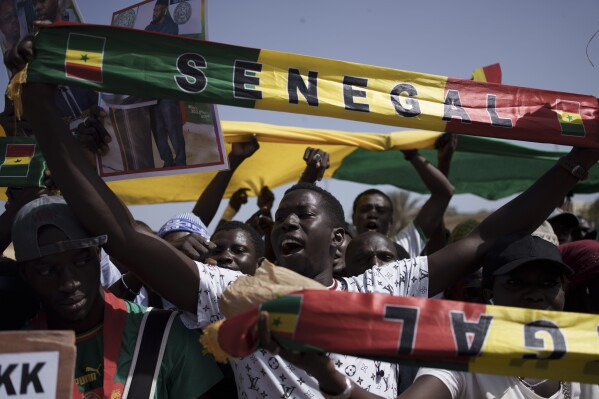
(152, 136)
(17, 17)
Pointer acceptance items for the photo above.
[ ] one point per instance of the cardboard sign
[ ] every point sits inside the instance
(37, 364)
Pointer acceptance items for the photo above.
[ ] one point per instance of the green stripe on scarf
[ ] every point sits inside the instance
(147, 64)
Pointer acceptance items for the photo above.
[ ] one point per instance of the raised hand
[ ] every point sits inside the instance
(243, 150)
(239, 198)
(195, 247)
(446, 146)
(91, 132)
(317, 162)
(266, 198)
(19, 55)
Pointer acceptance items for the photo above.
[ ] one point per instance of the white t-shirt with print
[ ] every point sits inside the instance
(262, 375)
(463, 385)
(411, 239)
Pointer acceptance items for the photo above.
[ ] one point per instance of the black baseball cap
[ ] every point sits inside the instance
(49, 211)
(566, 218)
(515, 250)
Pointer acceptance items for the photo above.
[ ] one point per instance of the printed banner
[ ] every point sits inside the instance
(447, 334)
(21, 162)
(151, 136)
(163, 66)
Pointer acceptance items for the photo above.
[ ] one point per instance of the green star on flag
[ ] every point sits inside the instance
(284, 314)
(21, 162)
(84, 57)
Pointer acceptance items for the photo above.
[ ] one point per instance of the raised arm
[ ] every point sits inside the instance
(441, 190)
(208, 202)
(159, 265)
(522, 214)
(446, 146)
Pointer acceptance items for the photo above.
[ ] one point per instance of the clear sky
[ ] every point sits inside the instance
(539, 43)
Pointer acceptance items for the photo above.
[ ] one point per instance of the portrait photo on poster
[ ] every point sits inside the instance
(153, 136)
(17, 17)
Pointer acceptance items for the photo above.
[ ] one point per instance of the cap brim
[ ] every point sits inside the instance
(507, 268)
(63, 246)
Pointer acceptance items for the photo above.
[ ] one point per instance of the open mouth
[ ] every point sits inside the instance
(290, 247)
(372, 225)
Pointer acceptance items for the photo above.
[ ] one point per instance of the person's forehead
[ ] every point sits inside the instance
(232, 236)
(373, 198)
(301, 197)
(375, 242)
(60, 257)
(383, 244)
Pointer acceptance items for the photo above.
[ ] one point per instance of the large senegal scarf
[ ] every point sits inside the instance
(426, 332)
(154, 65)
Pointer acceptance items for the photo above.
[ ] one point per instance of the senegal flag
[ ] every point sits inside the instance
(21, 162)
(284, 314)
(568, 114)
(84, 57)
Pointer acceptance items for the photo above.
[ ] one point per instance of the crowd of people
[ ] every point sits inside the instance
(83, 263)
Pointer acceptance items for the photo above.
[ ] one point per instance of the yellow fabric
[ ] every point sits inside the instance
(279, 160)
(273, 164)
(479, 75)
(209, 341)
(13, 91)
